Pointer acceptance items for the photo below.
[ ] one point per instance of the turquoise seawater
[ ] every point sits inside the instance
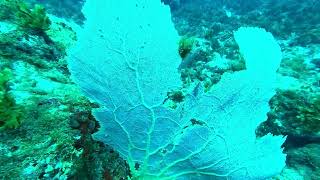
(160, 89)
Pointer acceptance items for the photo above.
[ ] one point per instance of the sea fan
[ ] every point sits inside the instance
(126, 59)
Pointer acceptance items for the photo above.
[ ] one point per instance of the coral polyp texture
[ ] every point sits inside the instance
(128, 64)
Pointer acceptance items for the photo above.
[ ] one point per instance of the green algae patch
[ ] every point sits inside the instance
(10, 113)
(185, 46)
(25, 16)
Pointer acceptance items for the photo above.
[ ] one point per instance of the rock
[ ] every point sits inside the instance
(305, 160)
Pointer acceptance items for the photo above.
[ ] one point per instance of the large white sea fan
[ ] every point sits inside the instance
(126, 59)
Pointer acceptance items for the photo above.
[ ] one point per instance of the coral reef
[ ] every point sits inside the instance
(26, 35)
(296, 26)
(44, 122)
(16, 45)
(46, 125)
(295, 113)
(305, 160)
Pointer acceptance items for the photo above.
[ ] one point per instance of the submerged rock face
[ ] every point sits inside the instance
(38, 103)
(294, 113)
(305, 161)
(68, 9)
